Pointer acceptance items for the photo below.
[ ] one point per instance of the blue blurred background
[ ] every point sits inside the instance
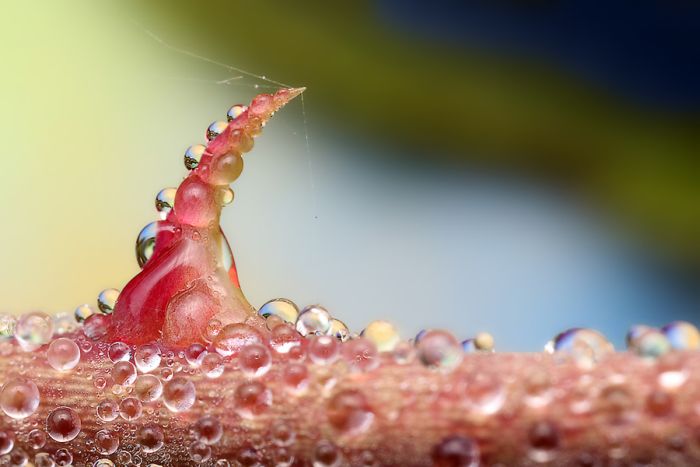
(517, 167)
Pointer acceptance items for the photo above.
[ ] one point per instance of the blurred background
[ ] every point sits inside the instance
(517, 167)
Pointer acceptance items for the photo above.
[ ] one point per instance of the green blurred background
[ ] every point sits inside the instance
(474, 167)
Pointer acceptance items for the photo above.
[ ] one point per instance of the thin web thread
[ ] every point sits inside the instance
(233, 81)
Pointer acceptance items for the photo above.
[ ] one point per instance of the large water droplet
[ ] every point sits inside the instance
(296, 377)
(326, 455)
(235, 111)
(179, 394)
(43, 459)
(215, 129)
(63, 424)
(165, 201)
(650, 343)
(19, 398)
(281, 307)
(313, 320)
(439, 350)
(37, 439)
(146, 243)
(147, 357)
(64, 323)
(107, 300)
(33, 330)
(63, 354)
(584, 346)
(682, 335)
(193, 155)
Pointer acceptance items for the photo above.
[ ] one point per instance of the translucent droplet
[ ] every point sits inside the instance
(283, 338)
(7, 325)
(634, 332)
(107, 410)
(227, 196)
(147, 357)
(282, 434)
(148, 388)
(64, 323)
(252, 398)
(83, 312)
(281, 307)
(33, 330)
(544, 440)
(485, 394)
(106, 442)
(208, 430)
(214, 327)
(193, 155)
(179, 394)
(63, 354)
(235, 111)
(43, 459)
(103, 463)
(650, 344)
(146, 243)
(150, 438)
(349, 413)
(212, 365)
(326, 455)
(383, 334)
(324, 350)
(107, 299)
(63, 424)
(124, 373)
(339, 330)
(194, 354)
(361, 354)
(215, 129)
(63, 457)
(119, 352)
(7, 441)
(37, 439)
(96, 326)
(19, 398)
(199, 452)
(455, 451)
(682, 335)
(313, 320)
(234, 337)
(584, 346)
(439, 350)
(130, 409)
(254, 360)
(165, 201)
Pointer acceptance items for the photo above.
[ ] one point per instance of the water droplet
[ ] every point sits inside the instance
(404, 353)
(617, 404)
(107, 410)
(124, 373)
(106, 442)
(150, 438)
(213, 329)
(227, 196)
(439, 350)
(179, 394)
(296, 377)
(199, 452)
(146, 243)
(119, 352)
(235, 111)
(682, 335)
(130, 409)
(212, 365)
(37, 439)
(650, 344)
(252, 398)
(7, 325)
(194, 354)
(148, 388)
(63, 424)
(83, 312)
(339, 330)
(43, 459)
(283, 338)
(7, 441)
(193, 155)
(215, 129)
(33, 330)
(282, 434)
(326, 455)
(281, 307)
(255, 360)
(324, 350)
(313, 320)
(383, 334)
(63, 354)
(349, 413)
(19, 457)
(103, 463)
(63, 457)
(234, 337)
(455, 451)
(584, 346)
(165, 201)
(64, 323)
(484, 342)
(96, 326)
(485, 394)
(147, 357)
(544, 440)
(107, 300)
(659, 403)
(19, 398)
(361, 354)
(208, 430)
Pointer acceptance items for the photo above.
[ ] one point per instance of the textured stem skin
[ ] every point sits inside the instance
(624, 411)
